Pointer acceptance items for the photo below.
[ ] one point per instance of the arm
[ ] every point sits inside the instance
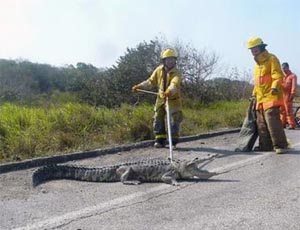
(254, 91)
(293, 87)
(174, 85)
(294, 84)
(147, 84)
(276, 74)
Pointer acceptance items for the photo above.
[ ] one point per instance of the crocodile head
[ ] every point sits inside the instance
(192, 169)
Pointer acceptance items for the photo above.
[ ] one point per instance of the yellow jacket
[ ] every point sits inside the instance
(172, 83)
(267, 75)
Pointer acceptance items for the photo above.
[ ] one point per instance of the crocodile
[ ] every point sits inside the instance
(131, 173)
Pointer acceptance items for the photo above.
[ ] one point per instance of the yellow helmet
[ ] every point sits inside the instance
(255, 41)
(169, 52)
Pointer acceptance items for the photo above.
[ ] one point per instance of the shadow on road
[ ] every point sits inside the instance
(196, 180)
(292, 152)
(220, 152)
(225, 152)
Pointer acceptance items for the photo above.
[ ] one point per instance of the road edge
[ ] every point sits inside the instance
(36, 162)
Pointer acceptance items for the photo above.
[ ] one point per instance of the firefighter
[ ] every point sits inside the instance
(268, 78)
(289, 87)
(167, 78)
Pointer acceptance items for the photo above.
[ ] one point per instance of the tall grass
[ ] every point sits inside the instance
(27, 132)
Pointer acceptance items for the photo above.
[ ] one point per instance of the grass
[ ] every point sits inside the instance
(28, 132)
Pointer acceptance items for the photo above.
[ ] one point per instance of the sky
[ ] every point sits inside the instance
(98, 32)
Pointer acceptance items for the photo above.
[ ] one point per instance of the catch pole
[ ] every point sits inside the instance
(168, 121)
(146, 91)
(169, 129)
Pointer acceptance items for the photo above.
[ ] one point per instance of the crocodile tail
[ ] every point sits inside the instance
(73, 172)
(46, 173)
(54, 172)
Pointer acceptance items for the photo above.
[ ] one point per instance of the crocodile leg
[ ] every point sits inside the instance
(169, 178)
(126, 175)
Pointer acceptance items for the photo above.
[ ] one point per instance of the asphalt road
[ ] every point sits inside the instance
(261, 191)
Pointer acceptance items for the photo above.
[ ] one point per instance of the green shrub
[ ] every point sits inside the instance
(27, 132)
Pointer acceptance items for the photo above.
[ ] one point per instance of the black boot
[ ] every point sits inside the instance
(160, 143)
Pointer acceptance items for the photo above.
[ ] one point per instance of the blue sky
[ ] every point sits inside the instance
(60, 32)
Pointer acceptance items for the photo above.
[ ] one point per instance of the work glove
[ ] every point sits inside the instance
(135, 88)
(167, 93)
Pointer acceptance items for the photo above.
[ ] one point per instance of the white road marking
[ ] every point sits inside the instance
(294, 145)
(138, 196)
(59, 220)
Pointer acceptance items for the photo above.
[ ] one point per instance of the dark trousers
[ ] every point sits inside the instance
(270, 130)
(159, 124)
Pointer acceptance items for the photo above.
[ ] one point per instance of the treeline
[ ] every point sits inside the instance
(30, 83)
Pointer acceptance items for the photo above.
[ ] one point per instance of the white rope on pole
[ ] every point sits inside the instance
(169, 129)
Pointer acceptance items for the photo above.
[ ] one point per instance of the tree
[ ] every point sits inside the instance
(22, 80)
(135, 66)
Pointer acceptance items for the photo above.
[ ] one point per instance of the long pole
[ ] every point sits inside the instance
(146, 91)
(168, 121)
(169, 129)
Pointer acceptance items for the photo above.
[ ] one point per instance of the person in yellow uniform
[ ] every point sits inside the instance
(167, 79)
(268, 91)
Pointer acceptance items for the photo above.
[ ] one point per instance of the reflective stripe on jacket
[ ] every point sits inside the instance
(267, 75)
